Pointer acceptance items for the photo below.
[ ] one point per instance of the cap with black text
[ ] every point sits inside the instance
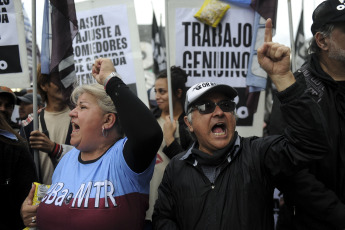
(200, 89)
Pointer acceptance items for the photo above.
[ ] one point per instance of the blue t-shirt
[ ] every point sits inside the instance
(102, 194)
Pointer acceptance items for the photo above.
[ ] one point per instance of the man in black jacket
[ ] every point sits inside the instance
(225, 181)
(315, 197)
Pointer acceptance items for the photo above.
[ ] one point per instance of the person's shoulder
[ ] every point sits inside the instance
(71, 154)
(179, 160)
(180, 156)
(13, 147)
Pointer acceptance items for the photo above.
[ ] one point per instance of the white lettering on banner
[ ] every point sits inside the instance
(58, 195)
(3, 65)
(98, 37)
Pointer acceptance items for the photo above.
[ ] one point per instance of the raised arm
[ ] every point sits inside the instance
(305, 137)
(274, 58)
(141, 128)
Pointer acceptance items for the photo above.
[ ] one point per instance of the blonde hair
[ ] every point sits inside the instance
(96, 90)
(102, 98)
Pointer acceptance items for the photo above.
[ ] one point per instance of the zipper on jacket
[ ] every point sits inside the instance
(212, 186)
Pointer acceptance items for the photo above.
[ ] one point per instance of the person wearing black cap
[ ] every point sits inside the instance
(315, 197)
(25, 103)
(7, 102)
(225, 181)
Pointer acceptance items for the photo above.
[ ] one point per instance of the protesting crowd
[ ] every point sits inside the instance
(108, 161)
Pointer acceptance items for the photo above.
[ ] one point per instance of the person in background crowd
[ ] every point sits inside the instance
(322, 185)
(103, 183)
(7, 102)
(17, 173)
(52, 140)
(176, 137)
(25, 103)
(225, 181)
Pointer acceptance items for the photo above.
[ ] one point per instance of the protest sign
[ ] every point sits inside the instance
(218, 54)
(14, 71)
(109, 29)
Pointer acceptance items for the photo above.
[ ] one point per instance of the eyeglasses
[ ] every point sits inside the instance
(209, 107)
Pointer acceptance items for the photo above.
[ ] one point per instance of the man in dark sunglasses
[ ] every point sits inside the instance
(225, 181)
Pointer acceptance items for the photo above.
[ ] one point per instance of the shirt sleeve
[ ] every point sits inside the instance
(138, 123)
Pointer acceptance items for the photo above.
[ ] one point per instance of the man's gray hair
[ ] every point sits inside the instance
(325, 31)
(190, 120)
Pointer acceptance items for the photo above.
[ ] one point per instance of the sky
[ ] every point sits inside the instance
(144, 15)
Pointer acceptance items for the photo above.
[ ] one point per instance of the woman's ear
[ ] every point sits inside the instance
(109, 120)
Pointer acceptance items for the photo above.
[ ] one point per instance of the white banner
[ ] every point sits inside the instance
(108, 28)
(103, 32)
(218, 54)
(13, 60)
(8, 24)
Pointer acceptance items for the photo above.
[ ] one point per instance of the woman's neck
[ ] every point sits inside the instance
(96, 153)
(104, 143)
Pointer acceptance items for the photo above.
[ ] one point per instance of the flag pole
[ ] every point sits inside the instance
(292, 42)
(34, 78)
(167, 45)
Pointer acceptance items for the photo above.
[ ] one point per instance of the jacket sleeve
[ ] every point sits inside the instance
(304, 137)
(138, 123)
(305, 192)
(173, 149)
(164, 212)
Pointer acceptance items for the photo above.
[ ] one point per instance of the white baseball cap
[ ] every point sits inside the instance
(199, 89)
